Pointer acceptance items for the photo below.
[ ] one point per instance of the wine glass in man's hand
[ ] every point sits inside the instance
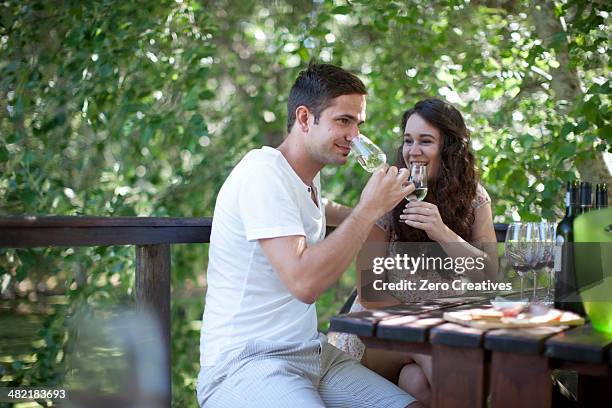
(368, 155)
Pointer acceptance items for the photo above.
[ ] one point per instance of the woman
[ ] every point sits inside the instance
(455, 216)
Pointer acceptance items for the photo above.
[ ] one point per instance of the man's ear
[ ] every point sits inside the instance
(302, 114)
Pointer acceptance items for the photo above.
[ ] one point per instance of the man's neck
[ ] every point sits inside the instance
(296, 155)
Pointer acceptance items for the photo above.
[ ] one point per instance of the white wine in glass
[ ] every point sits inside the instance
(418, 176)
(368, 155)
(419, 193)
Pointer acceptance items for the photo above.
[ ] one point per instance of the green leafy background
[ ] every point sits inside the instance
(142, 108)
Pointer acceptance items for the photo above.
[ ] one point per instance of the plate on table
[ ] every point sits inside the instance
(513, 317)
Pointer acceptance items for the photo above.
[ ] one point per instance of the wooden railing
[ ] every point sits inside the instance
(152, 237)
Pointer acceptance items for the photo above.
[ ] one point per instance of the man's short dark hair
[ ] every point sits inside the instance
(316, 86)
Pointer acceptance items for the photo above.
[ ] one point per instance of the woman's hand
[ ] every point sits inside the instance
(425, 216)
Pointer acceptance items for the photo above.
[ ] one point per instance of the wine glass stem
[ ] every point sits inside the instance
(551, 277)
(535, 284)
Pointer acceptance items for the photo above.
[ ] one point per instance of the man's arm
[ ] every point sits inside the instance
(309, 271)
(335, 213)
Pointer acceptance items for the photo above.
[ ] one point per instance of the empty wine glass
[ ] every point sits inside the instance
(418, 176)
(534, 250)
(516, 249)
(368, 155)
(547, 237)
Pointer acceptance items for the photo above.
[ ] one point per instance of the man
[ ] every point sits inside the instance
(268, 262)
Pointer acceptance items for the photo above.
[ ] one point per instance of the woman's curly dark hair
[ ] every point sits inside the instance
(454, 188)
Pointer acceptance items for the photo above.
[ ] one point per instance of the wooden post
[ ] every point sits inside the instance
(153, 293)
(520, 380)
(459, 377)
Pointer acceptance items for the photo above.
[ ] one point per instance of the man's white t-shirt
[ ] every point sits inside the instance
(246, 300)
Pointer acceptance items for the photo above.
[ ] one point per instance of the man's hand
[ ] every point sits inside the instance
(385, 189)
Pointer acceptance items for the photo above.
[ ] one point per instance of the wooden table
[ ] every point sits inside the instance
(511, 366)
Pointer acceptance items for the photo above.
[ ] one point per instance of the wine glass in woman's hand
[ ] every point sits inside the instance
(418, 176)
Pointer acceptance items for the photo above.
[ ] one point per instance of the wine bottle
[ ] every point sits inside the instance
(565, 284)
(601, 196)
(586, 201)
(565, 227)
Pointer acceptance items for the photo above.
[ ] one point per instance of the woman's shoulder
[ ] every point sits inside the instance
(482, 197)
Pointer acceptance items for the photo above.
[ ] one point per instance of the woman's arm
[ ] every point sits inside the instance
(335, 213)
(483, 234)
(426, 216)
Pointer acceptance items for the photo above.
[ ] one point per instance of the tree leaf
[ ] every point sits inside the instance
(343, 10)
